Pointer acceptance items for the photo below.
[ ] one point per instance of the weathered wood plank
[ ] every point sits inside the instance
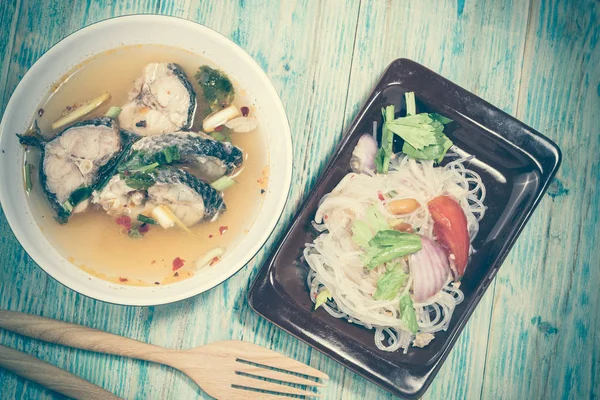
(223, 312)
(300, 66)
(478, 45)
(543, 337)
(306, 48)
(23, 285)
(9, 16)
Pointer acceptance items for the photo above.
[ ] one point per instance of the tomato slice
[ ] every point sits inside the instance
(450, 229)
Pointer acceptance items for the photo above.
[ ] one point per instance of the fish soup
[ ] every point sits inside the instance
(147, 165)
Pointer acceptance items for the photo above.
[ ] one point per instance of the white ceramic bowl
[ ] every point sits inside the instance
(109, 34)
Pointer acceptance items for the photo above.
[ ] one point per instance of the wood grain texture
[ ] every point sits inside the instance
(9, 17)
(547, 291)
(57, 379)
(479, 46)
(534, 333)
(300, 71)
(215, 367)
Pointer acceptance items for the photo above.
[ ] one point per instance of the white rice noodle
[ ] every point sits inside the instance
(335, 259)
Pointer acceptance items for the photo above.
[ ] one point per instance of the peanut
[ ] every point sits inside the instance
(403, 206)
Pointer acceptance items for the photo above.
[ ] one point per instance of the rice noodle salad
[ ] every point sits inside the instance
(394, 234)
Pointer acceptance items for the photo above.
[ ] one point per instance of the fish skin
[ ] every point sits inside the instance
(213, 199)
(191, 146)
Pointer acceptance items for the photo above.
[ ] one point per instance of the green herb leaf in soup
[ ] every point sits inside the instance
(146, 220)
(217, 89)
(139, 181)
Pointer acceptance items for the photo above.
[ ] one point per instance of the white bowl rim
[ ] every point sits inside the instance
(258, 244)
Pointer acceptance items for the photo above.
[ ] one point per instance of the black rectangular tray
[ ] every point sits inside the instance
(516, 164)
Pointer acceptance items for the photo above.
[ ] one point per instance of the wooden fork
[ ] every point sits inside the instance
(225, 370)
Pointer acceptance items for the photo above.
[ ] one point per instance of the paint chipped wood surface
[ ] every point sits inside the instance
(534, 334)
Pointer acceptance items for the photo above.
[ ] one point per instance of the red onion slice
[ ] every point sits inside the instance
(430, 270)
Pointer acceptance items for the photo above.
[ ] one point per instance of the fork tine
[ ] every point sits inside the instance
(243, 394)
(287, 364)
(279, 376)
(270, 358)
(253, 383)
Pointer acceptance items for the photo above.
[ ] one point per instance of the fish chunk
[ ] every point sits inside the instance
(190, 199)
(169, 189)
(207, 158)
(116, 198)
(73, 158)
(162, 100)
(76, 161)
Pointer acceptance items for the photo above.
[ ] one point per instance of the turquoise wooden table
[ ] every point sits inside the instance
(535, 334)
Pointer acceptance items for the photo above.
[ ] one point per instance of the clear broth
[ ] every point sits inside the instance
(92, 240)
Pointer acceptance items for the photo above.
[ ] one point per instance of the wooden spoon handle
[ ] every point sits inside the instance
(50, 376)
(81, 337)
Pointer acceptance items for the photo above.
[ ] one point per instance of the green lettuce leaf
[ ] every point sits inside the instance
(423, 135)
(361, 233)
(390, 283)
(411, 105)
(431, 152)
(364, 230)
(322, 298)
(384, 154)
(375, 219)
(390, 237)
(440, 118)
(409, 245)
(417, 130)
(408, 315)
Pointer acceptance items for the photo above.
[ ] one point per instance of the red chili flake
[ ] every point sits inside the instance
(177, 263)
(40, 112)
(144, 228)
(176, 274)
(214, 261)
(245, 111)
(168, 92)
(219, 128)
(380, 197)
(325, 217)
(122, 279)
(153, 262)
(210, 236)
(223, 229)
(124, 221)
